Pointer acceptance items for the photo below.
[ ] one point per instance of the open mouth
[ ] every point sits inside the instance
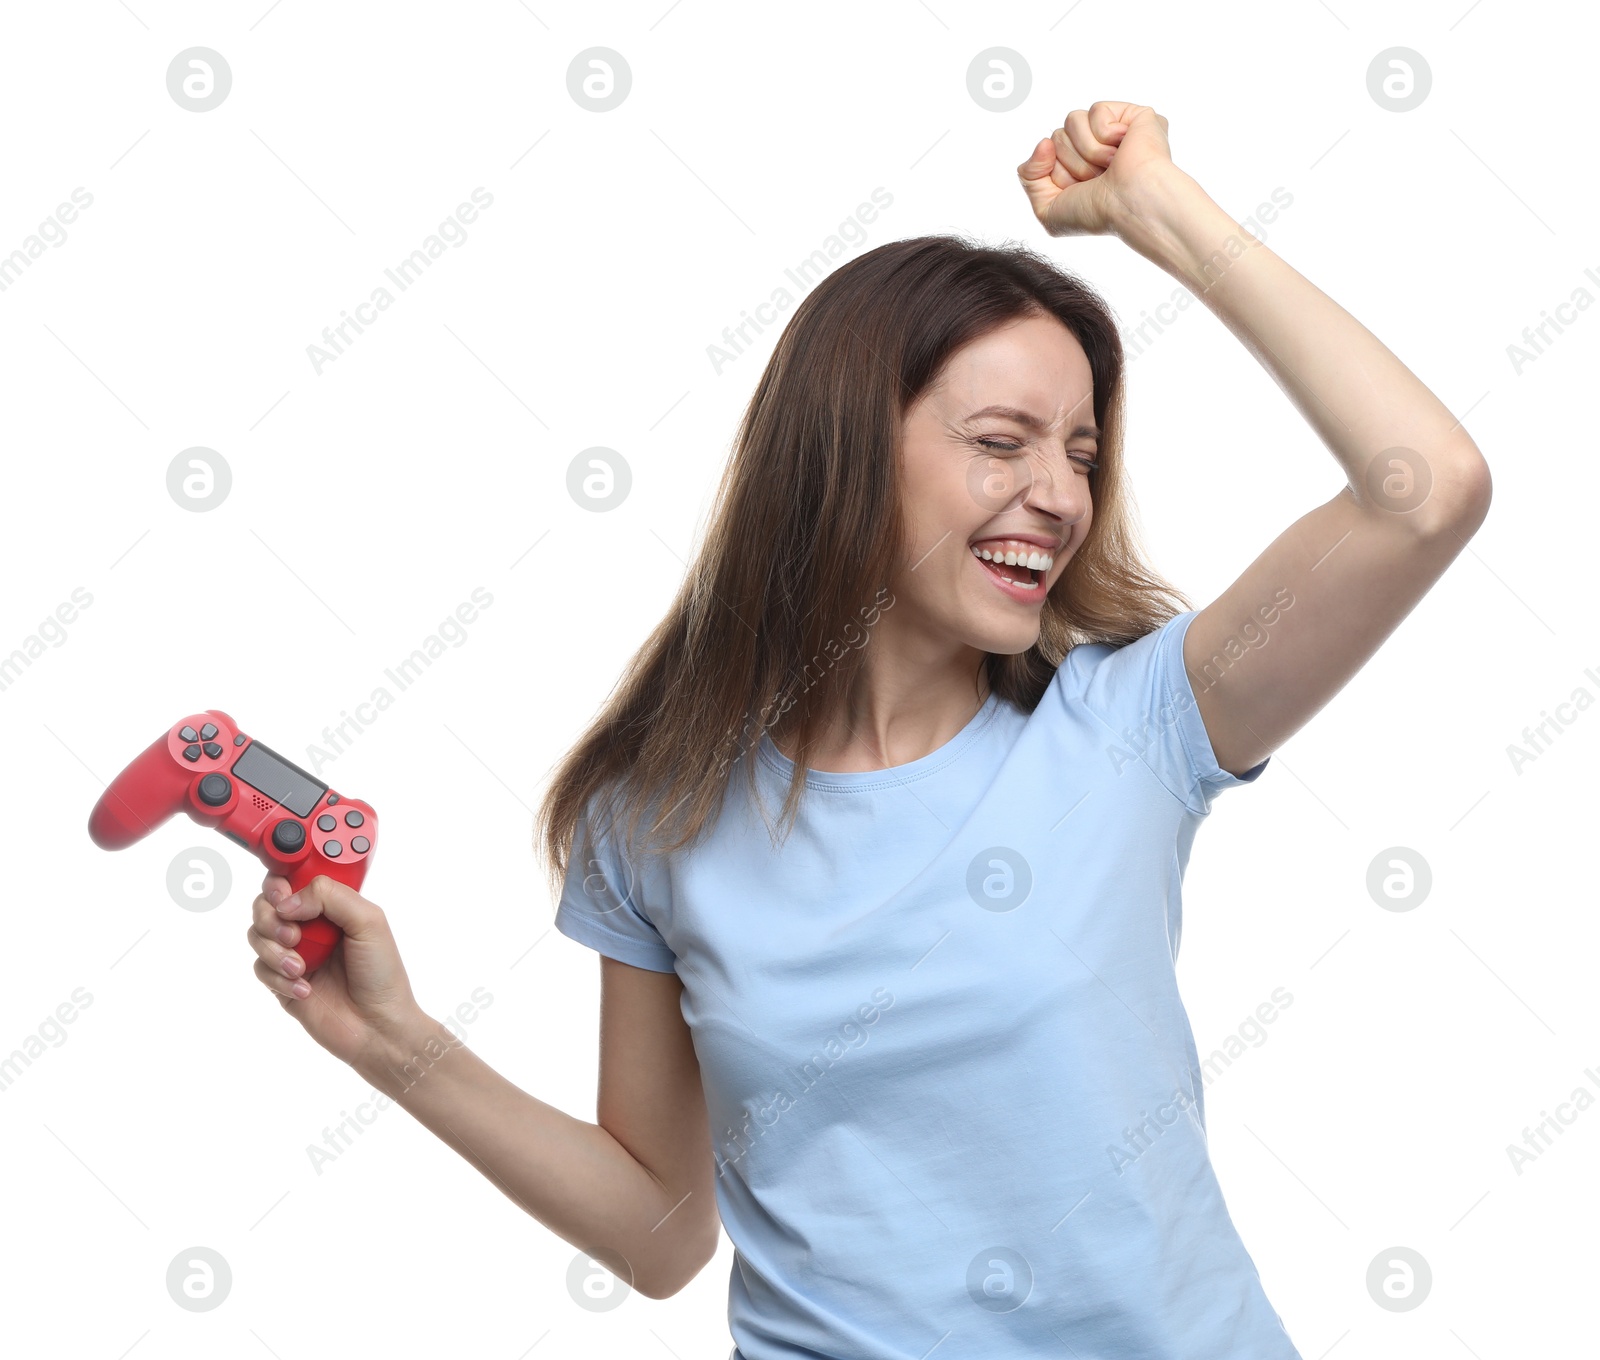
(1025, 577)
(1021, 565)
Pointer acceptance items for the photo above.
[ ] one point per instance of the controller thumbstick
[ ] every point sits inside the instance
(215, 790)
(288, 837)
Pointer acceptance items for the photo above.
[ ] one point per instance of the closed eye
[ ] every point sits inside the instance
(1082, 458)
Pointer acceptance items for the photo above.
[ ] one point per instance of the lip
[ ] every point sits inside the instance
(1051, 545)
(1034, 597)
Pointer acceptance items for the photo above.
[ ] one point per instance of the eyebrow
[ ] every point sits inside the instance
(1032, 422)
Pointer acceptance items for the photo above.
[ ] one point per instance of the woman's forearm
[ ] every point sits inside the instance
(572, 1176)
(1354, 392)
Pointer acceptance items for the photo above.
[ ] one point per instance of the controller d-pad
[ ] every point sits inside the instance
(361, 845)
(332, 849)
(188, 734)
(212, 749)
(215, 790)
(353, 818)
(208, 731)
(191, 753)
(288, 837)
(326, 823)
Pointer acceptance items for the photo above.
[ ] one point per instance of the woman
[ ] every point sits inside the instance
(919, 1046)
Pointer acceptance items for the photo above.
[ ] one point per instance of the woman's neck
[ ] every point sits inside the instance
(888, 722)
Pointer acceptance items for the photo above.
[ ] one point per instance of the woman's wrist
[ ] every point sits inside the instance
(1175, 224)
(401, 1053)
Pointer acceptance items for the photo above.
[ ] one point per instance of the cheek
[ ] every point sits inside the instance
(940, 511)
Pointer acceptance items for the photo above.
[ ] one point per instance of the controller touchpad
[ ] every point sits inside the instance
(274, 776)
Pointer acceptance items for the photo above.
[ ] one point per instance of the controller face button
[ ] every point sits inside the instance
(240, 739)
(188, 734)
(353, 818)
(212, 749)
(326, 822)
(287, 836)
(215, 789)
(332, 849)
(208, 731)
(191, 753)
(361, 845)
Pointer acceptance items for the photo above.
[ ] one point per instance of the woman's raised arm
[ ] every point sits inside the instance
(1416, 486)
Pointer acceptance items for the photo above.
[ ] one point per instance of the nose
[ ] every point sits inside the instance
(1064, 497)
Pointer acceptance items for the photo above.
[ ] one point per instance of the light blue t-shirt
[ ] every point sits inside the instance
(955, 1099)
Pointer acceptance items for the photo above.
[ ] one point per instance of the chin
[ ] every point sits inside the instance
(1003, 641)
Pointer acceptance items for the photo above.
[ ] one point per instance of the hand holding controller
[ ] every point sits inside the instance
(295, 825)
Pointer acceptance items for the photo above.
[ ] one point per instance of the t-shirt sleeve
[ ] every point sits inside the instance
(1142, 692)
(600, 904)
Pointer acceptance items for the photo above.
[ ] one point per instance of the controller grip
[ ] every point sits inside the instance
(138, 800)
(318, 936)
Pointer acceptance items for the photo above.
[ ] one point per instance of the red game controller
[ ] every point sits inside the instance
(292, 823)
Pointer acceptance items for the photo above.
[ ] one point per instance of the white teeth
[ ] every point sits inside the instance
(1012, 557)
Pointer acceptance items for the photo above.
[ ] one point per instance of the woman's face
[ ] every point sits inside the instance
(997, 455)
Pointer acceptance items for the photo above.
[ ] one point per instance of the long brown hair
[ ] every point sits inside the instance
(806, 532)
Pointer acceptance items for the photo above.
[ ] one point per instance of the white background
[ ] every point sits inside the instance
(369, 500)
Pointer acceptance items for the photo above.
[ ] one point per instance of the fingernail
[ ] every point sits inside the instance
(291, 965)
(286, 934)
(301, 989)
(290, 903)
(275, 895)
